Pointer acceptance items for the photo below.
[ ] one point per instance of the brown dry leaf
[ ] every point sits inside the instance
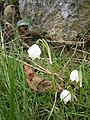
(36, 83)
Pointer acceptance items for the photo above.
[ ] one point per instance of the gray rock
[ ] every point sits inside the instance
(63, 20)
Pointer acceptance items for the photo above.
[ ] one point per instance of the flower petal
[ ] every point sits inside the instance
(65, 96)
(74, 75)
(34, 51)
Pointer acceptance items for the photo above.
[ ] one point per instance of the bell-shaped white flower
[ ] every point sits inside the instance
(74, 76)
(65, 96)
(34, 51)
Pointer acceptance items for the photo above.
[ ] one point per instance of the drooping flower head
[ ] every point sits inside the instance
(34, 51)
(74, 76)
(65, 96)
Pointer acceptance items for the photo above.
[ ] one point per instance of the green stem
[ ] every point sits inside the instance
(53, 80)
(81, 92)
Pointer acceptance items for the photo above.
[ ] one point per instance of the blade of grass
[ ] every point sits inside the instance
(11, 93)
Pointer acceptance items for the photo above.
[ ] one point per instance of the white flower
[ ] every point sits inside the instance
(65, 96)
(34, 51)
(74, 76)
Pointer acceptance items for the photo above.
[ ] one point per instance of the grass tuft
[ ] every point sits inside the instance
(18, 102)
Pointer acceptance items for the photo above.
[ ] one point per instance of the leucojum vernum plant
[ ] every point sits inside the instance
(76, 76)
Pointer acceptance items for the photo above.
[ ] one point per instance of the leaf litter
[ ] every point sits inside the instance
(38, 84)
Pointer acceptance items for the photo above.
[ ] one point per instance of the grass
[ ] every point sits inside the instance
(18, 102)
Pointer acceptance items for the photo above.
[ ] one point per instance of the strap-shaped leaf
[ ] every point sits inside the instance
(25, 21)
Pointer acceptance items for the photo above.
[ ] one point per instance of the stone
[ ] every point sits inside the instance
(62, 20)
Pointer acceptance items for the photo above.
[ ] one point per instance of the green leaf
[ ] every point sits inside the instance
(47, 48)
(25, 21)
